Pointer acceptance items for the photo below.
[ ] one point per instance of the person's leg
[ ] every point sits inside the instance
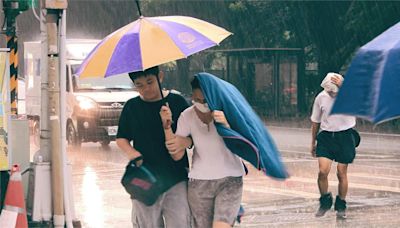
(175, 208)
(324, 169)
(133, 216)
(344, 156)
(343, 182)
(219, 224)
(149, 216)
(201, 195)
(227, 201)
(325, 201)
(340, 202)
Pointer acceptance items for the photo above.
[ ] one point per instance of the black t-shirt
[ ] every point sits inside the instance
(140, 121)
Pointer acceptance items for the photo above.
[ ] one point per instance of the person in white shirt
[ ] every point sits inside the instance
(336, 141)
(215, 179)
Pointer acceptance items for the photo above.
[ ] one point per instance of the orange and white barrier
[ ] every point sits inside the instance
(14, 204)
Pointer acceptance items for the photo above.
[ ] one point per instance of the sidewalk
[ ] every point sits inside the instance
(390, 127)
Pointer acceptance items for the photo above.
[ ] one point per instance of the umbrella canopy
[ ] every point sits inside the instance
(371, 89)
(148, 42)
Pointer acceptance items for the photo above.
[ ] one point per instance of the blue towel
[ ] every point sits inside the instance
(247, 137)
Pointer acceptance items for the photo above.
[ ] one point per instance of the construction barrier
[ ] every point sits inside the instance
(14, 213)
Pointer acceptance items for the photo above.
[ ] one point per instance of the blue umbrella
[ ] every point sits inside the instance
(371, 89)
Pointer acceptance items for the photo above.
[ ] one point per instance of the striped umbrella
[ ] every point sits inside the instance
(148, 42)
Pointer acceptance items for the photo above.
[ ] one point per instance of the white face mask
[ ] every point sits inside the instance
(330, 87)
(201, 107)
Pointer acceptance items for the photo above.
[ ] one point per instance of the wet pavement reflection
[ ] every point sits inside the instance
(373, 197)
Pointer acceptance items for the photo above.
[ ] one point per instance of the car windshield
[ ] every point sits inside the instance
(115, 82)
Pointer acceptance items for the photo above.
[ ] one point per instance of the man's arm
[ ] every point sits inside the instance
(129, 151)
(314, 132)
(176, 145)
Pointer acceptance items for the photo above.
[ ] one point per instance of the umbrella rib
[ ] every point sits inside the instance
(379, 81)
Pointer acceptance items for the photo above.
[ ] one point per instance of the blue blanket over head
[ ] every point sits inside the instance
(247, 137)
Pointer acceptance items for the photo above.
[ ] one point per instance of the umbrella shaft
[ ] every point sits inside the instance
(138, 6)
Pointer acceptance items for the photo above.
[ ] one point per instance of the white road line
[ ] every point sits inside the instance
(292, 192)
(386, 177)
(359, 154)
(378, 160)
(279, 191)
(287, 160)
(351, 185)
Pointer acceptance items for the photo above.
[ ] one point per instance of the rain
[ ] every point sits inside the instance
(279, 53)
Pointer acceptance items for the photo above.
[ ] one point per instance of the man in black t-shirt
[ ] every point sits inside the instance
(141, 124)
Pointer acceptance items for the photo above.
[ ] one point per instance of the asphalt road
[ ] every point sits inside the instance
(373, 197)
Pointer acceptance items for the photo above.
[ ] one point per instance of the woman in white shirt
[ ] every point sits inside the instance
(215, 179)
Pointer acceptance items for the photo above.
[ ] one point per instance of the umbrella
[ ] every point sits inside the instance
(148, 42)
(371, 89)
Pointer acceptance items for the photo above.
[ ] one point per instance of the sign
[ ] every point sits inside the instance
(4, 106)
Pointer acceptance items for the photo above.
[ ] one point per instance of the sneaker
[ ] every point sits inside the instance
(340, 208)
(325, 204)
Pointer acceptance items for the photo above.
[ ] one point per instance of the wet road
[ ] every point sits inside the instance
(373, 197)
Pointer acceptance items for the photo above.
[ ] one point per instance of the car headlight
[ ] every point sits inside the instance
(86, 103)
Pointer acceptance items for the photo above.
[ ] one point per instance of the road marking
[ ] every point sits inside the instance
(359, 154)
(351, 185)
(279, 191)
(386, 177)
(287, 160)
(304, 194)
(378, 160)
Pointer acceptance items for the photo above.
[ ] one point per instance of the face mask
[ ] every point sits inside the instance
(330, 87)
(201, 107)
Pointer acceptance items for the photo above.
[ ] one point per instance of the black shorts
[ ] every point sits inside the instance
(338, 146)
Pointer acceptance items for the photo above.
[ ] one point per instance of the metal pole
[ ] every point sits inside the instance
(44, 151)
(276, 82)
(68, 200)
(12, 44)
(54, 10)
(54, 114)
(11, 11)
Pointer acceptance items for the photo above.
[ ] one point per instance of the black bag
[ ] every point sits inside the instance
(141, 183)
(357, 138)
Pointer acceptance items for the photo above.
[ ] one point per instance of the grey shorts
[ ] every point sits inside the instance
(215, 200)
(170, 210)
